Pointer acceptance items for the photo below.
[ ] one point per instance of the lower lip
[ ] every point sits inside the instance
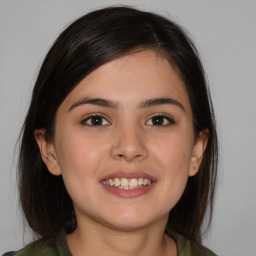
(129, 193)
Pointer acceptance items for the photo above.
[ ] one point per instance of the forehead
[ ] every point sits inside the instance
(132, 78)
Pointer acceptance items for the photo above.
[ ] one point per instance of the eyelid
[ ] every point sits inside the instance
(83, 122)
(170, 120)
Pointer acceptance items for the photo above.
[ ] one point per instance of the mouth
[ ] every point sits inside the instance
(124, 183)
(128, 184)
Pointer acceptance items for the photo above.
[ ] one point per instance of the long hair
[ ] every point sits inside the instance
(88, 43)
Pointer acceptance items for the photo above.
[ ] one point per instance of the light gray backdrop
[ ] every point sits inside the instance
(225, 34)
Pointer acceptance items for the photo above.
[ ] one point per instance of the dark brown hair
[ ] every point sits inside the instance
(86, 44)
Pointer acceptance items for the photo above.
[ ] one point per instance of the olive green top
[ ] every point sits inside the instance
(60, 248)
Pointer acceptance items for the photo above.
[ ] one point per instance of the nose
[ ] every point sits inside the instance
(129, 145)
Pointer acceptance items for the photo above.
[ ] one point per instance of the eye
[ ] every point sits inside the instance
(95, 120)
(160, 120)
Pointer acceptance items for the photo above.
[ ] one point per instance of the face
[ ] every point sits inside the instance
(124, 142)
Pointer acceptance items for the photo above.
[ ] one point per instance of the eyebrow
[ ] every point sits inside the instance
(160, 101)
(97, 102)
(112, 104)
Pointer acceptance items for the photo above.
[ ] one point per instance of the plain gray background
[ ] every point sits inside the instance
(225, 35)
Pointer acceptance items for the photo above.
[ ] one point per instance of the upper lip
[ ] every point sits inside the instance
(128, 175)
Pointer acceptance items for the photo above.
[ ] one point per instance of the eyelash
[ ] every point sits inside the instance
(84, 122)
(167, 121)
(170, 121)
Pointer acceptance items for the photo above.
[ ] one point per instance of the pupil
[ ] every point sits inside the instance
(158, 120)
(96, 120)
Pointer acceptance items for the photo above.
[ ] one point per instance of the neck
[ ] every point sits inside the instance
(98, 239)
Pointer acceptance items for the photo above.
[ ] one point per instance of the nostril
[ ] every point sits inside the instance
(127, 157)
(127, 152)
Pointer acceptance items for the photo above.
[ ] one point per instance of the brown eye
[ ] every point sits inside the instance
(160, 120)
(95, 120)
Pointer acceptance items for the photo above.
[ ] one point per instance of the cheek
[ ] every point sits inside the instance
(79, 160)
(76, 152)
(173, 157)
(174, 153)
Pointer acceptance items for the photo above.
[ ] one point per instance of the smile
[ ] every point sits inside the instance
(128, 184)
(124, 183)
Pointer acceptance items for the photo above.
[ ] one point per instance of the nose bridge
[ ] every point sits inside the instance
(129, 142)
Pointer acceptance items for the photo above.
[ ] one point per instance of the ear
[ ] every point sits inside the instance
(198, 152)
(48, 153)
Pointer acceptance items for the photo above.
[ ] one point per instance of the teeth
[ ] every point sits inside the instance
(133, 183)
(117, 182)
(124, 183)
(140, 181)
(111, 183)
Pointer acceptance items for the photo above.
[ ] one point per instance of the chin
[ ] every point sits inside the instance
(128, 225)
(130, 219)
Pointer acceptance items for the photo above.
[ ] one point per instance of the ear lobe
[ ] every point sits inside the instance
(198, 152)
(48, 153)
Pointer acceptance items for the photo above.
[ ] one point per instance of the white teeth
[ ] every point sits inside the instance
(124, 183)
(117, 182)
(133, 183)
(140, 181)
(111, 183)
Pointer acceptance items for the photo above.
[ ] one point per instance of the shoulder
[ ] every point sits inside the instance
(56, 247)
(38, 248)
(199, 250)
(190, 248)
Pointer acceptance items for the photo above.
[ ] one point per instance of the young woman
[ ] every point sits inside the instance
(119, 149)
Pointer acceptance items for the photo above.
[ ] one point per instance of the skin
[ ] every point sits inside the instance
(126, 139)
